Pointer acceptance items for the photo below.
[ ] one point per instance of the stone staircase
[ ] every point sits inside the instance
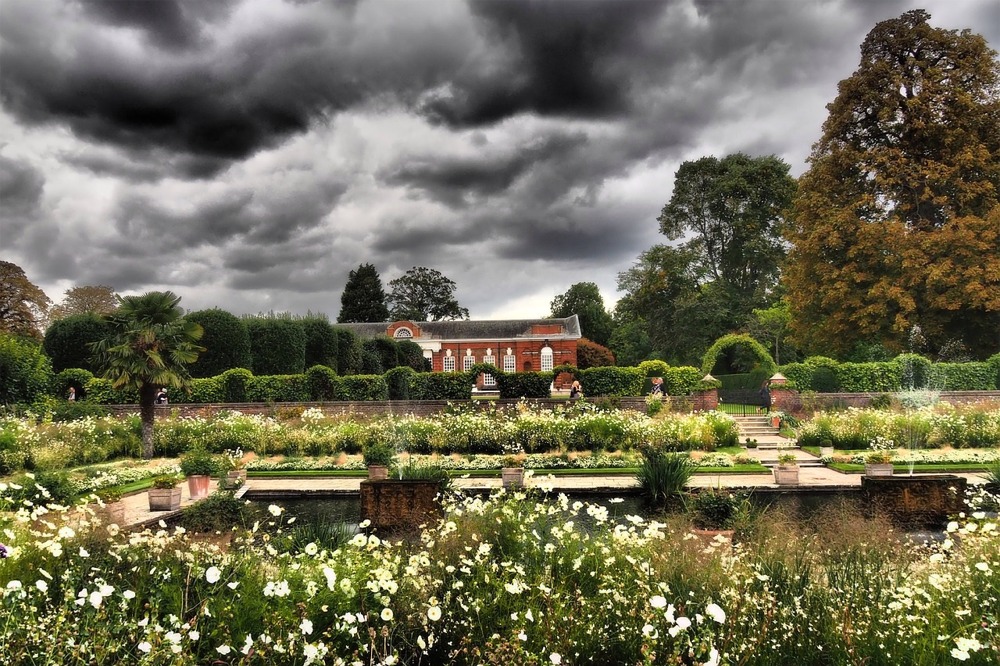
(760, 429)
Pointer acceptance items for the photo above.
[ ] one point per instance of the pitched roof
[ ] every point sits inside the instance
(476, 329)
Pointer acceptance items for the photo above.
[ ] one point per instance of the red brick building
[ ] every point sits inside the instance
(510, 345)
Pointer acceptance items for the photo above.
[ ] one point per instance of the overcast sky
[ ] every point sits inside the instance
(248, 154)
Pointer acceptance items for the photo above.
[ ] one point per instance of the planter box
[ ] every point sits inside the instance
(512, 477)
(786, 475)
(164, 499)
(878, 469)
(198, 486)
(399, 504)
(378, 472)
(234, 478)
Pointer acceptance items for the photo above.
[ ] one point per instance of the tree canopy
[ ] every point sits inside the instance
(424, 294)
(23, 305)
(363, 299)
(149, 346)
(584, 300)
(896, 222)
(97, 299)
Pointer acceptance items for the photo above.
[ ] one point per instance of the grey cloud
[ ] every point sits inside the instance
(170, 24)
(21, 188)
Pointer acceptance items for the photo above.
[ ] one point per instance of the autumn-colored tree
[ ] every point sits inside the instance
(589, 354)
(23, 305)
(99, 299)
(896, 223)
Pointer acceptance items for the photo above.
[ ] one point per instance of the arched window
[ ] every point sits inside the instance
(403, 332)
(546, 358)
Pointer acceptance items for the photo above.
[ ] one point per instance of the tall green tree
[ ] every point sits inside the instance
(99, 299)
(25, 372)
(363, 299)
(733, 211)
(584, 300)
(23, 305)
(896, 222)
(149, 346)
(424, 294)
(68, 341)
(226, 340)
(321, 341)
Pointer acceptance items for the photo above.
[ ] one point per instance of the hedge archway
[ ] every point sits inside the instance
(727, 342)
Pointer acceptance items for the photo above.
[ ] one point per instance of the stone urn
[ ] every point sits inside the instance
(164, 499)
(786, 474)
(512, 477)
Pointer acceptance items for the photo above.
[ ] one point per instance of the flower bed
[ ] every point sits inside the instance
(928, 427)
(532, 586)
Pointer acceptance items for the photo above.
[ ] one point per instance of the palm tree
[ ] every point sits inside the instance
(149, 346)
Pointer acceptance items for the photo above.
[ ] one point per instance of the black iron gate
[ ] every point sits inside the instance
(743, 402)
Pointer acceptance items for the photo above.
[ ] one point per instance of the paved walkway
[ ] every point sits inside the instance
(137, 513)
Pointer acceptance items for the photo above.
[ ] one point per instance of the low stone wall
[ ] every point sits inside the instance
(394, 504)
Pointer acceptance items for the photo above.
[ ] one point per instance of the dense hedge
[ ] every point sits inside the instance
(75, 377)
(742, 353)
(612, 381)
(441, 386)
(905, 372)
(25, 372)
(225, 339)
(321, 342)
(682, 380)
(322, 382)
(522, 384)
(67, 341)
(348, 352)
(399, 381)
(277, 345)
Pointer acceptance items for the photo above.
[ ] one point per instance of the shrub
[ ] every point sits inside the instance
(100, 391)
(278, 388)
(398, 382)
(683, 380)
(441, 386)
(348, 352)
(612, 381)
(226, 341)
(277, 345)
(364, 387)
(67, 341)
(219, 512)
(411, 355)
(202, 391)
(323, 383)
(713, 509)
(199, 462)
(513, 385)
(914, 371)
(385, 351)
(662, 476)
(25, 372)
(589, 354)
(379, 452)
(321, 342)
(75, 377)
(234, 384)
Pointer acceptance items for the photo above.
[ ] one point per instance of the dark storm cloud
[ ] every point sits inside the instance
(21, 187)
(169, 24)
(459, 180)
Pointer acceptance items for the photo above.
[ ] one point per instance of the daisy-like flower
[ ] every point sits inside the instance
(386, 614)
(212, 575)
(433, 613)
(274, 510)
(307, 626)
(555, 658)
(656, 601)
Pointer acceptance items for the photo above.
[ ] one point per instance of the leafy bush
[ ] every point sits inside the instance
(220, 512)
(226, 341)
(612, 381)
(277, 345)
(323, 383)
(682, 380)
(383, 350)
(348, 352)
(515, 385)
(100, 391)
(589, 354)
(321, 342)
(278, 388)
(25, 372)
(202, 391)
(364, 387)
(441, 386)
(67, 341)
(398, 381)
(235, 384)
(662, 476)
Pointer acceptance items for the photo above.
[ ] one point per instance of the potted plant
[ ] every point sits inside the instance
(378, 456)
(198, 465)
(110, 509)
(165, 495)
(233, 473)
(775, 418)
(878, 463)
(787, 471)
(512, 471)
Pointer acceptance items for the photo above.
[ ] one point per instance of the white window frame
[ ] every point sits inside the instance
(448, 363)
(547, 358)
(468, 362)
(489, 380)
(402, 332)
(509, 363)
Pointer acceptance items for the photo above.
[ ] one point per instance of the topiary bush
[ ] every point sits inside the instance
(612, 381)
(75, 377)
(398, 381)
(323, 383)
(277, 345)
(226, 341)
(321, 342)
(441, 386)
(67, 341)
(234, 384)
(514, 385)
(348, 352)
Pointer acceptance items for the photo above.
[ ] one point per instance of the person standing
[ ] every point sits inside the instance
(72, 394)
(575, 390)
(765, 396)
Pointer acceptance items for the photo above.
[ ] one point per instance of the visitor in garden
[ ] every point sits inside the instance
(575, 390)
(765, 397)
(657, 386)
(161, 397)
(72, 394)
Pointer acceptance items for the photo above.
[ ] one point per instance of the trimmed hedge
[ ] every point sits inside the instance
(363, 387)
(322, 382)
(78, 378)
(441, 386)
(905, 372)
(277, 345)
(226, 341)
(683, 380)
(515, 385)
(612, 381)
(399, 381)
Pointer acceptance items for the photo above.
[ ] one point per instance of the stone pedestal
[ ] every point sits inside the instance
(395, 504)
(919, 501)
(878, 469)
(512, 477)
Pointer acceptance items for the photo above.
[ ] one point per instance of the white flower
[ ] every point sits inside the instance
(713, 658)
(144, 647)
(275, 510)
(522, 636)
(41, 585)
(194, 635)
(716, 613)
(212, 575)
(311, 549)
(555, 658)
(386, 614)
(172, 637)
(961, 655)
(223, 649)
(656, 601)
(233, 585)
(306, 626)
(128, 594)
(434, 613)
(95, 599)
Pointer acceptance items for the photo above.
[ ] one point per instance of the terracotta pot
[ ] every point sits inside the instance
(512, 477)
(164, 499)
(775, 421)
(378, 472)
(198, 486)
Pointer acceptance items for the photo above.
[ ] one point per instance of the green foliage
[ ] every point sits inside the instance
(398, 381)
(914, 371)
(25, 372)
(323, 383)
(363, 299)
(424, 294)
(412, 355)
(384, 351)
(198, 461)
(67, 341)
(612, 381)
(994, 363)
(63, 410)
(630, 342)
(102, 391)
(278, 388)
(744, 381)
(592, 355)
(75, 377)
(716, 509)
(740, 353)
(441, 386)
(513, 385)
(584, 300)
(379, 452)
(277, 345)
(226, 341)
(202, 391)
(662, 476)
(972, 376)
(364, 387)
(654, 368)
(235, 385)
(349, 358)
(220, 512)
(868, 377)
(683, 380)
(321, 342)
